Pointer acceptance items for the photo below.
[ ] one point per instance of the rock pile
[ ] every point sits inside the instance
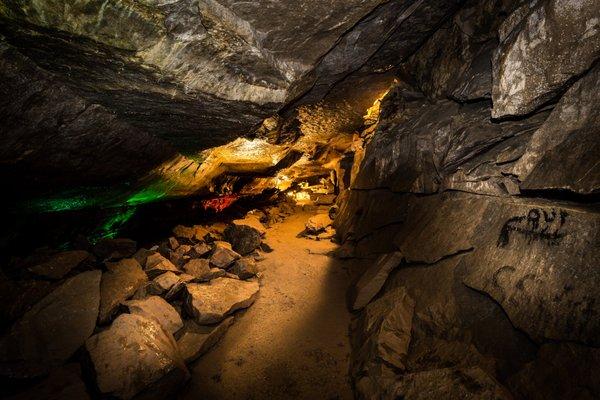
(132, 317)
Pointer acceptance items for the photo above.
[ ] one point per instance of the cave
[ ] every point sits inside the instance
(277, 199)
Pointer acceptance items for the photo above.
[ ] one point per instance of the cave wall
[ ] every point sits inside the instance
(483, 173)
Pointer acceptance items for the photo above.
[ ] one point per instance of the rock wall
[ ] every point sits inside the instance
(497, 220)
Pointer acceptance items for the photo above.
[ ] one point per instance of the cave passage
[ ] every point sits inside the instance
(297, 199)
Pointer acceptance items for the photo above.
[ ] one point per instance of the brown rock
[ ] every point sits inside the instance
(157, 264)
(198, 268)
(166, 281)
(135, 355)
(156, 308)
(114, 249)
(199, 339)
(53, 329)
(223, 257)
(60, 264)
(244, 268)
(119, 283)
(318, 223)
(244, 239)
(211, 302)
(63, 383)
(373, 279)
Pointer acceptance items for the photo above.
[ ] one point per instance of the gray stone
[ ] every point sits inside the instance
(119, 283)
(60, 264)
(157, 308)
(211, 302)
(197, 340)
(554, 42)
(136, 356)
(48, 334)
(373, 279)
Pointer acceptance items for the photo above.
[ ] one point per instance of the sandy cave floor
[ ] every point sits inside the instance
(293, 342)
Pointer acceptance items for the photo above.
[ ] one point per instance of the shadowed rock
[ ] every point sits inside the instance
(60, 264)
(223, 256)
(53, 329)
(63, 383)
(114, 249)
(157, 308)
(119, 283)
(244, 268)
(157, 264)
(197, 339)
(373, 279)
(244, 239)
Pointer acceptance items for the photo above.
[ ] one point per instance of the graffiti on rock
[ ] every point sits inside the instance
(538, 225)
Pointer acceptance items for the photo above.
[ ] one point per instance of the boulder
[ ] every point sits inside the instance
(244, 239)
(222, 256)
(545, 46)
(244, 268)
(211, 302)
(136, 356)
(173, 243)
(142, 255)
(184, 232)
(253, 221)
(114, 249)
(200, 233)
(318, 223)
(48, 334)
(166, 281)
(121, 280)
(200, 250)
(199, 268)
(199, 339)
(60, 264)
(157, 264)
(156, 308)
(63, 383)
(16, 297)
(373, 279)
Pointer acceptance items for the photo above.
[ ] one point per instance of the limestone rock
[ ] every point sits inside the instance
(119, 283)
(222, 256)
(244, 268)
(53, 329)
(136, 356)
(197, 339)
(554, 42)
(211, 302)
(244, 239)
(166, 281)
(157, 308)
(199, 268)
(563, 153)
(318, 223)
(373, 279)
(157, 264)
(114, 249)
(60, 264)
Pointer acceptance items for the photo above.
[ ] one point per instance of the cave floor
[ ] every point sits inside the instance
(293, 342)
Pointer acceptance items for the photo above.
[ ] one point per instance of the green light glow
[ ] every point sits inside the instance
(111, 227)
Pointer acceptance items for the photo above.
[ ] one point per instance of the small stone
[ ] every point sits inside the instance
(157, 308)
(119, 283)
(198, 268)
(200, 233)
(133, 354)
(244, 239)
(266, 248)
(60, 264)
(223, 257)
(157, 264)
(200, 250)
(173, 243)
(166, 281)
(198, 339)
(142, 255)
(244, 268)
(211, 302)
(184, 232)
(114, 249)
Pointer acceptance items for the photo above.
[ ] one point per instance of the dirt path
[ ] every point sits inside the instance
(293, 342)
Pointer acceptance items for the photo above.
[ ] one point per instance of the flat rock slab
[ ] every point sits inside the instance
(198, 268)
(53, 329)
(157, 264)
(210, 302)
(118, 284)
(60, 264)
(157, 308)
(223, 257)
(136, 354)
(197, 339)
(318, 223)
(244, 268)
(373, 279)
